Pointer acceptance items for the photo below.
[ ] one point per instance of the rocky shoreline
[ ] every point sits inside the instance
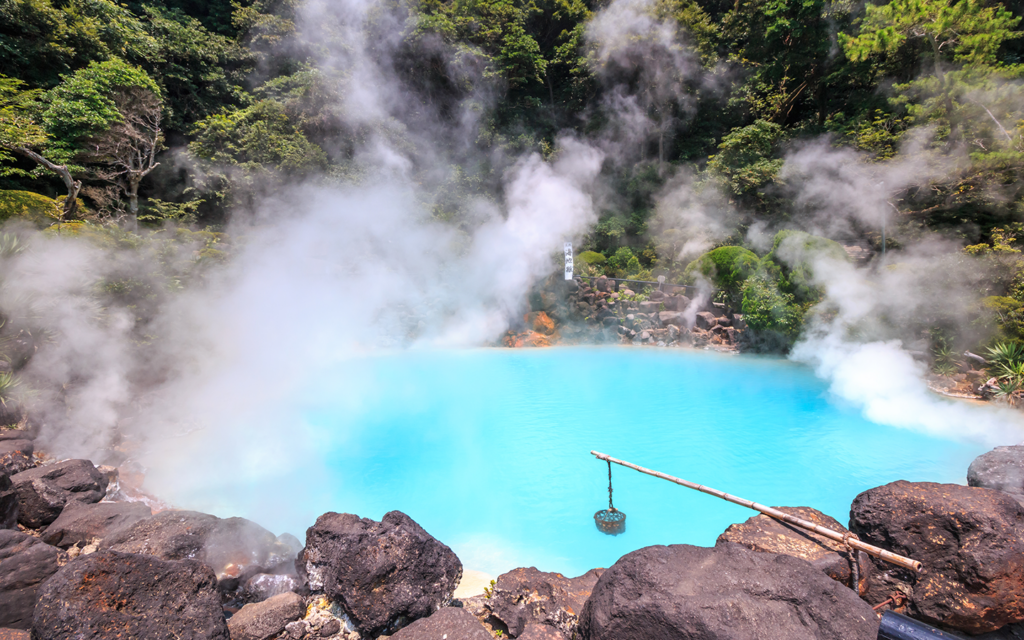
(82, 558)
(603, 311)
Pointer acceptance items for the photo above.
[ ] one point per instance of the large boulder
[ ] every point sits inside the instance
(768, 535)
(16, 455)
(267, 619)
(235, 548)
(725, 592)
(970, 541)
(109, 594)
(43, 491)
(522, 596)
(80, 524)
(451, 623)
(383, 574)
(8, 502)
(25, 563)
(1001, 469)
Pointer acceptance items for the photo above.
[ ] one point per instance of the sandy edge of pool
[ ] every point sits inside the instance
(472, 584)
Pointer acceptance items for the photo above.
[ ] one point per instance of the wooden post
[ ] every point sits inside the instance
(848, 539)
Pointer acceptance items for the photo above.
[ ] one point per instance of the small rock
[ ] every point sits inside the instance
(705, 320)
(43, 491)
(669, 318)
(25, 563)
(535, 631)
(645, 335)
(296, 630)
(522, 596)
(266, 585)
(329, 629)
(262, 620)
(8, 502)
(80, 523)
(378, 572)
(1001, 469)
(451, 623)
(16, 455)
(768, 535)
(109, 594)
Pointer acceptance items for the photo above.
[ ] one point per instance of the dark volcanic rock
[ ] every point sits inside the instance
(452, 623)
(263, 586)
(380, 573)
(762, 533)
(262, 620)
(82, 523)
(522, 596)
(43, 491)
(25, 563)
(1001, 469)
(726, 592)
(16, 455)
(970, 540)
(535, 631)
(108, 594)
(705, 320)
(14, 634)
(235, 548)
(8, 502)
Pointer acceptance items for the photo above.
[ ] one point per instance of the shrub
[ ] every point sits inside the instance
(793, 253)
(773, 319)
(725, 267)
(592, 257)
(619, 260)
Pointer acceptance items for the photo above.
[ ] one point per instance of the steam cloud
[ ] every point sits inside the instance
(325, 272)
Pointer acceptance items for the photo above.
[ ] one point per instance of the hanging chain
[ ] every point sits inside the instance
(611, 507)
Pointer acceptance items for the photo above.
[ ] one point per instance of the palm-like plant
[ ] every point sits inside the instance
(8, 386)
(1006, 363)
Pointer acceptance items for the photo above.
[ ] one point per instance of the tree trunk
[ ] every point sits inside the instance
(133, 204)
(70, 209)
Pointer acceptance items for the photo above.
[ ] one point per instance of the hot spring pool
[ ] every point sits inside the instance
(488, 450)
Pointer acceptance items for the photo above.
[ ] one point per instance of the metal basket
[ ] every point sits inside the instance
(610, 521)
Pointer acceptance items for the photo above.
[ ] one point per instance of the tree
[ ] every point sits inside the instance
(21, 134)
(965, 31)
(108, 116)
(785, 45)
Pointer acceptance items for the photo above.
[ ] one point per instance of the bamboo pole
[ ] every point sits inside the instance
(888, 556)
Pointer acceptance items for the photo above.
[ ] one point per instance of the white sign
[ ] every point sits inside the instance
(568, 261)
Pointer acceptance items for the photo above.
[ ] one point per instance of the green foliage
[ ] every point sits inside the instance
(34, 208)
(85, 104)
(725, 267)
(968, 31)
(198, 71)
(41, 40)
(619, 261)
(18, 127)
(746, 160)
(591, 257)
(771, 313)
(9, 384)
(795, 253)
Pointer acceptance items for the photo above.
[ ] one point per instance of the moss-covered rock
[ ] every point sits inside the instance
(592, 257)
(34, 208)
(725, 267)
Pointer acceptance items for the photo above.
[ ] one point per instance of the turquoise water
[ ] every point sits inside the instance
(488, 449)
